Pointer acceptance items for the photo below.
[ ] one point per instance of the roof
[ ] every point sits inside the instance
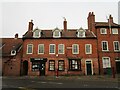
(105, 24)
(8, 44)
(70, 33)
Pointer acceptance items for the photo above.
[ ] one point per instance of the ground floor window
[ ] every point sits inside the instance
(35, 66)
(61, 65)
(74, 64)
(52, 65)
(106, 62)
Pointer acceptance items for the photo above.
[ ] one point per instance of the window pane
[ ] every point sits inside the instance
(106, 62)
(104, 46)
(116, 46)
(61, 49)
(88, 49)
(115, 31)
(52, 49)
(103, 31)
(74, 65)
(60, 65)
(35, 66)
(41, 48)
(56, 33)
(52, 65)
(75, 49)
(29, 48)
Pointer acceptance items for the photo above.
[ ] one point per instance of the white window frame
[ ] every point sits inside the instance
(39, 48)
(118, 45)
(27, 48)
(78, 34)
(113, 30)
(104, 66)
(107, 46)
(55, 32)
(73, 49)
(90, 49)
(35, 35)
(54, 48)
(62, 48)
(103, 29)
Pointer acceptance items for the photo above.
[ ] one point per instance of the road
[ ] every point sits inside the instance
(34, 83)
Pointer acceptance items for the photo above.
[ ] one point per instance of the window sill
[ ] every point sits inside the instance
(117, 51)
(105, 50)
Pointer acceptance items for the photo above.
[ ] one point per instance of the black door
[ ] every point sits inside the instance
(88, 67)
(118, 67)
(25, 68)
(42, 68)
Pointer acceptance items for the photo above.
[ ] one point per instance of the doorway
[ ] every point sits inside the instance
(42, 68)
(88, 68)
(118, 67)
(25, 67)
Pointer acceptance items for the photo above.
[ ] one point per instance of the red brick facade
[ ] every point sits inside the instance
(98, 61)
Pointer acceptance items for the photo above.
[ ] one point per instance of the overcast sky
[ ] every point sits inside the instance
(48, 15)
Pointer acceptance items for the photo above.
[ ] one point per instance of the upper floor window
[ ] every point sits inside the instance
(29, 48)
(81, 32)
(88, 49)
(75, 49)
(104, 46)
(114, 31)
(61, 49)
(56, 33)
(52, 49)
(41, 49)
(116, 45)
(36, 33)
(103, 31)
(106, 62)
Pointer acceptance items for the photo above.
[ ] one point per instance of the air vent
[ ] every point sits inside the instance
(13, 52)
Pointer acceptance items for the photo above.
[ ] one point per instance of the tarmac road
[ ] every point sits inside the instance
(35, 83)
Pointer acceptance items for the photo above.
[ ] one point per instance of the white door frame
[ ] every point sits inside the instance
(86, 66)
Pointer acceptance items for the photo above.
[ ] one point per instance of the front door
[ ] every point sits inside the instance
(42, 69)
(118, 67)
(25, 67)
(88, 68)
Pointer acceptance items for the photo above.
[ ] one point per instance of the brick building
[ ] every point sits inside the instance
(11, 52)
(91, 51)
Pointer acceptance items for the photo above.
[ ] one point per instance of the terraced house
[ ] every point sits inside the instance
(80, 51)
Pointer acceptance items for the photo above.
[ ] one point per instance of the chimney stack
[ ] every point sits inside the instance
(110, 20)
(65, 24)
(16, 36)
(91, 22)
(30, 26)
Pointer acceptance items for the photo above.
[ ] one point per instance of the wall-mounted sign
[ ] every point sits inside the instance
(38, 59)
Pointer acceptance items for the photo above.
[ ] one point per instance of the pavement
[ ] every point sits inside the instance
(89, 77)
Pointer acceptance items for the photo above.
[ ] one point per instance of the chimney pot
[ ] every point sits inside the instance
(16, 35)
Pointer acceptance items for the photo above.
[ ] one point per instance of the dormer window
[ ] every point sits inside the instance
(36, 33)
(56, 33)
(81, 32)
